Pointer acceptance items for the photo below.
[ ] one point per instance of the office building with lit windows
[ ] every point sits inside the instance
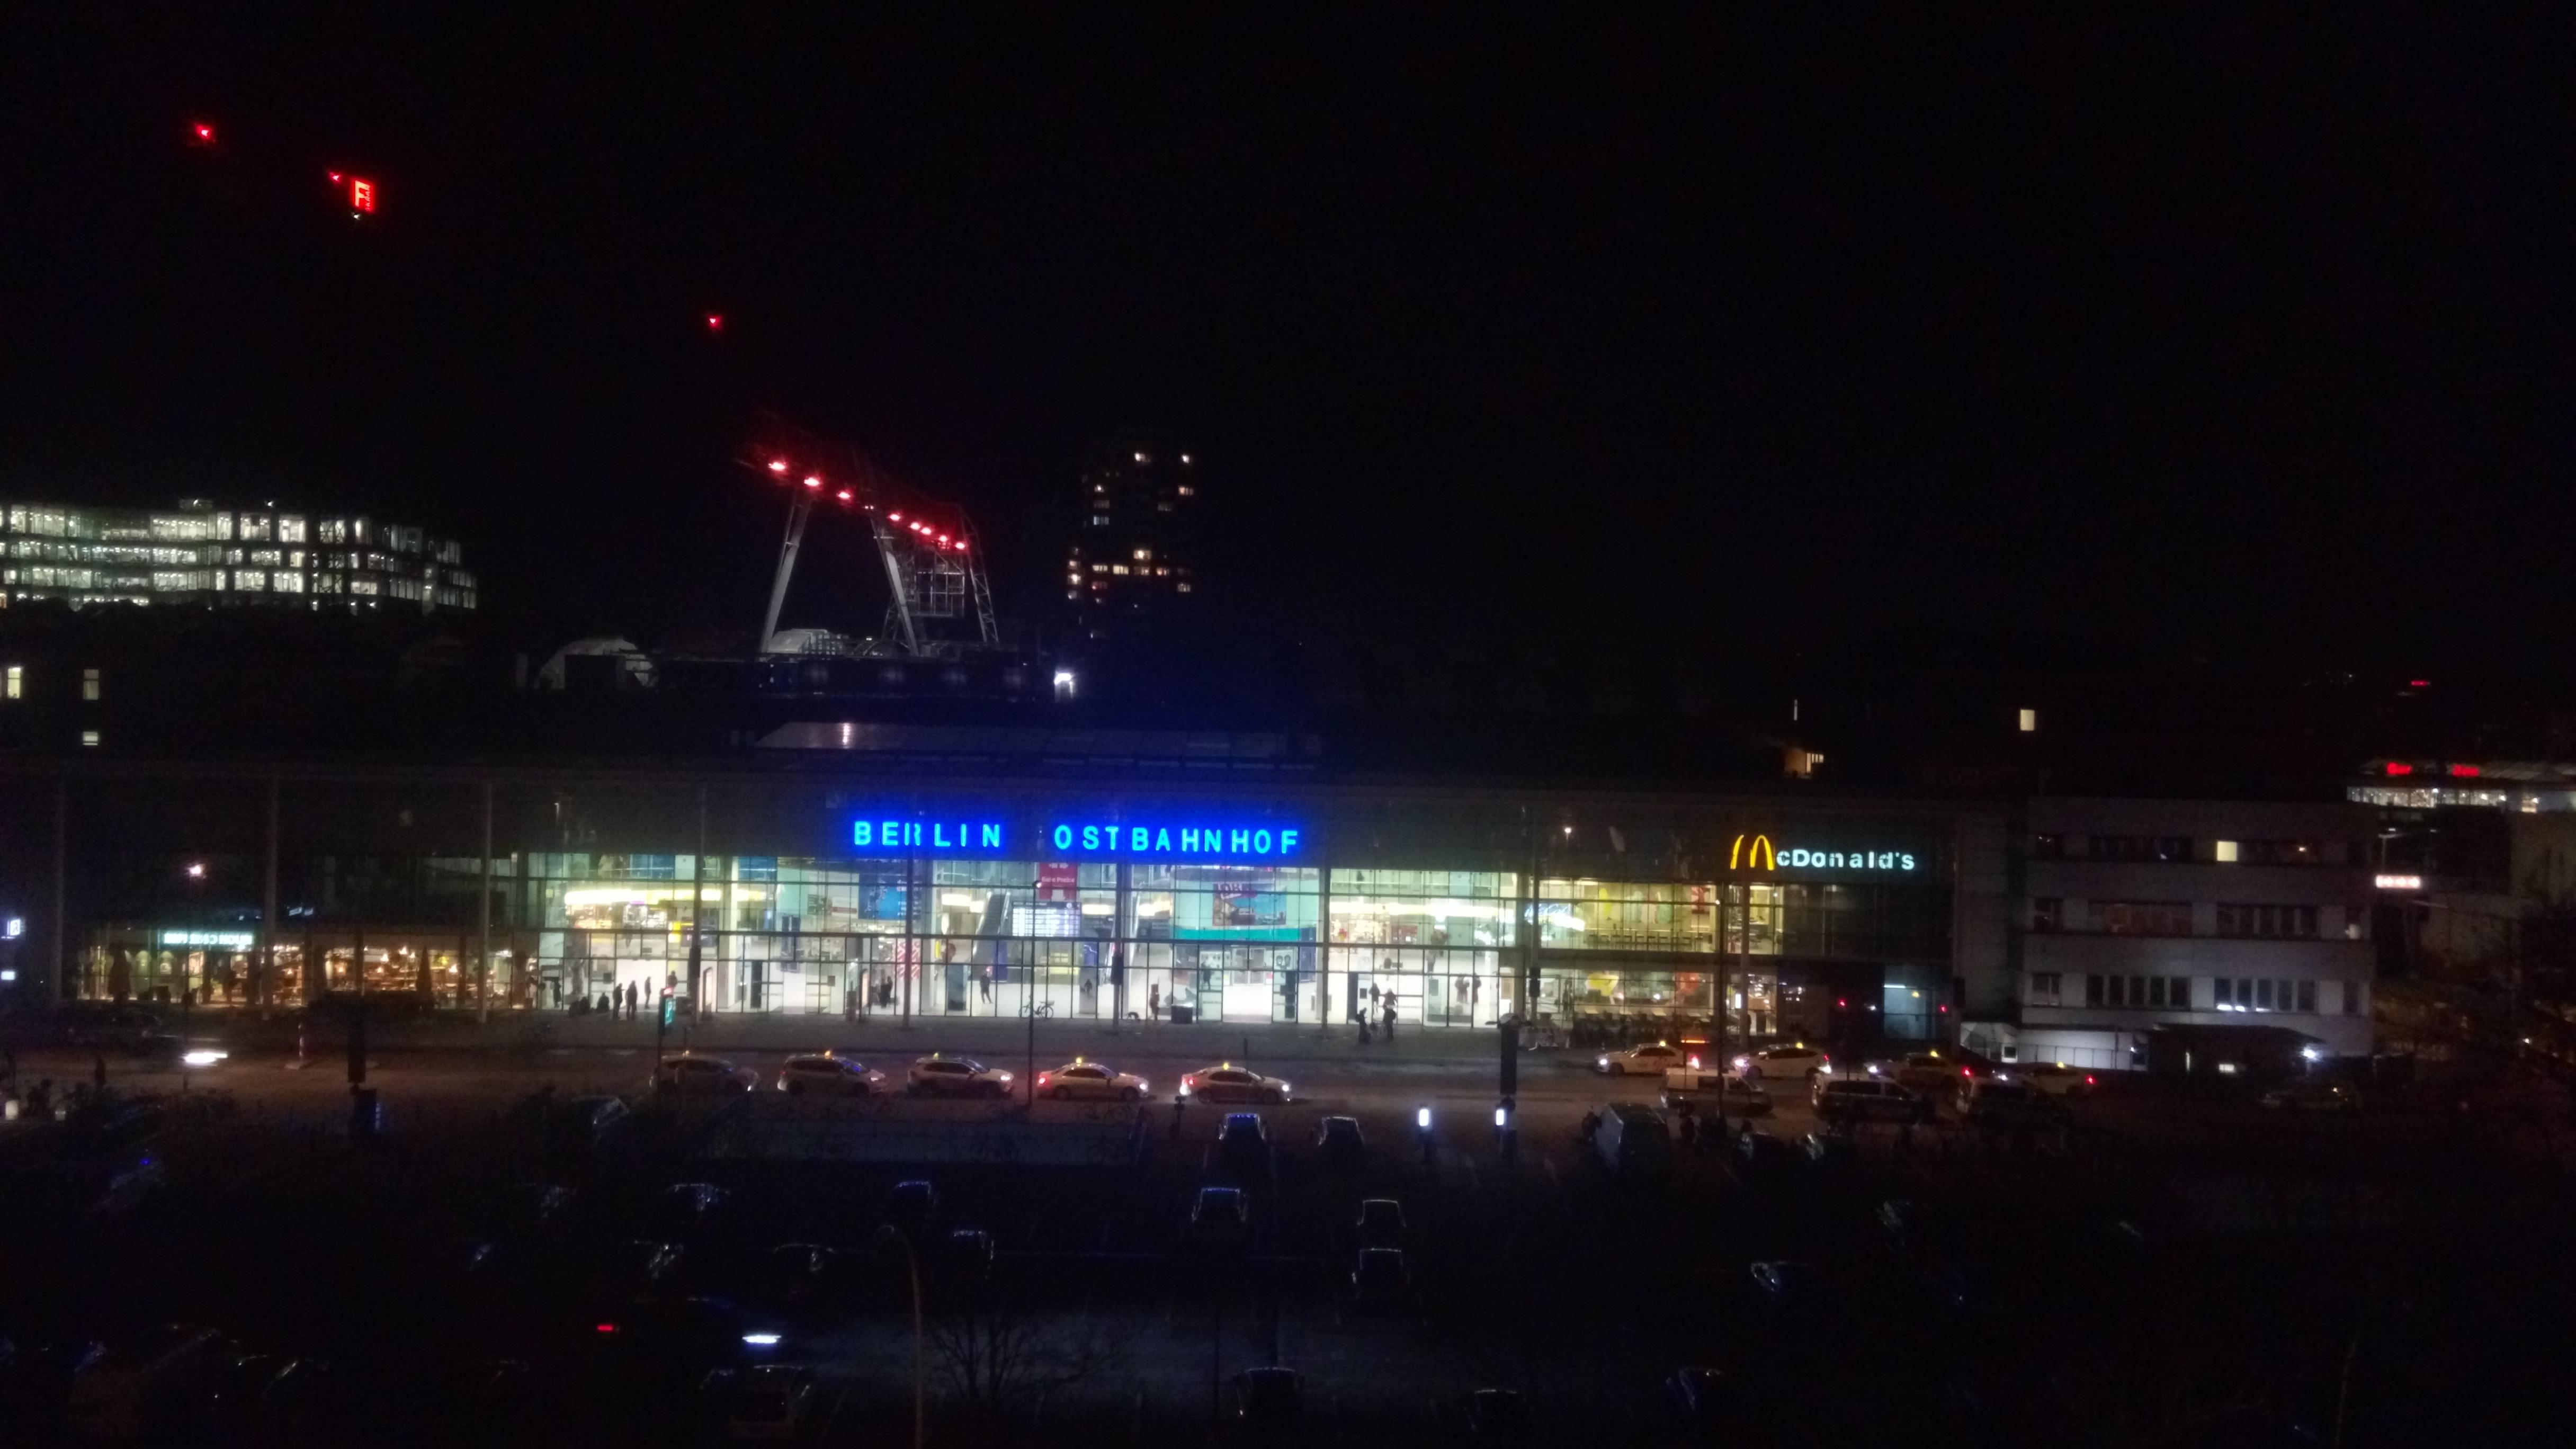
(198, 554)
(2140, 917)
(1132, 552)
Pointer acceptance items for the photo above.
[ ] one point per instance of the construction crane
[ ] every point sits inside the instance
(940, 603)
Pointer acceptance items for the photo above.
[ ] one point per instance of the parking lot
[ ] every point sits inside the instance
(1928, 1260)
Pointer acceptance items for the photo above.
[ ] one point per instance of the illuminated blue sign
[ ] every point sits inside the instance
(1064, 838)
(929, 835)
(1199, 839)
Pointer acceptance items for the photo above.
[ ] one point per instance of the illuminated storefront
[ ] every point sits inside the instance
(1298, 903)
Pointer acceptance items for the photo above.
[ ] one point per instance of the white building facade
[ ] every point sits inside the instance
(2136, 914)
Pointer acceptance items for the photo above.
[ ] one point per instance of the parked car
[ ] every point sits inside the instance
(1633, 1142)
(1380, 1223)
(268, 1398)
(1923, 1071)
(1761, 1156)
(769, 1402)
(1793, 1061)
(1498, 1416)
(1242, 1150)
(911, 1204)
(1226, 1082)
(2054, 1078)
(1093, 1080)
(589, 1127)
(967, 1256)
(2005, 1102)
(1709, 1407)
(148, 1384)
(2313, 1097)
(1651, 1060)
(1381, 1281)
(691, 1075)
(1339, 1143)
(1797, 1293)
(1269, 1401)
(1865, 1099)
(827, 1074)
(1220, 1217)
(941, 1075)
(1712, 1091)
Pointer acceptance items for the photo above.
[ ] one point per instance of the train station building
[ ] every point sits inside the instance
(988, 873)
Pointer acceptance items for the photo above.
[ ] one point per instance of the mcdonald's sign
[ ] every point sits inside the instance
(1756, 853)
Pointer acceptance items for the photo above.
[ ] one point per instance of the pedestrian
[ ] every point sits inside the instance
(1390, 1016)
(1364, 1030)
(1688, 1129)
(98, 1071)
(1180, 1104)
(40, 1096)
(1154, 1002)
(1591, 1127)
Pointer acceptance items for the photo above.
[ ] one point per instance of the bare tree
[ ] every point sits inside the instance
(997, 1358)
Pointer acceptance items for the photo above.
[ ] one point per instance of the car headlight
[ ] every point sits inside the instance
(1601, 1062)
(1283, 1089)
(1005, 1076)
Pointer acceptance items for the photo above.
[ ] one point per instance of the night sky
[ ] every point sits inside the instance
(2246, 334)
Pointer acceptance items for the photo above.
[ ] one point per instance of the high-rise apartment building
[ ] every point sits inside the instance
(1133, 554)
(200, 554)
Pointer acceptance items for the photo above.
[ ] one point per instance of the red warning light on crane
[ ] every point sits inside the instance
(201, 133)
(715, 321)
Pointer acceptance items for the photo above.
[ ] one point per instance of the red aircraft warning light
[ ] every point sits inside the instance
(201, 133)
(715, 321)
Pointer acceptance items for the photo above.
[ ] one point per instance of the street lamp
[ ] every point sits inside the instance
(912, 1267)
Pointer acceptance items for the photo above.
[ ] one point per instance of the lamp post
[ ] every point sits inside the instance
(912, 1267)
(189, 937)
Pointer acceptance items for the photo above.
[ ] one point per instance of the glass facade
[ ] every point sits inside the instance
(1379, 908)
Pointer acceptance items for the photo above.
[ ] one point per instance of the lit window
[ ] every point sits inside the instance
(1118, 568)
(1144, 553)
(89, 739)
(89, 684)
(1187, 490)
(1184, 588)
(2029, 720)
(2226, 851)
(17, 681)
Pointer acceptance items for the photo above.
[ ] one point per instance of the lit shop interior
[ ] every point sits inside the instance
(1178, 941)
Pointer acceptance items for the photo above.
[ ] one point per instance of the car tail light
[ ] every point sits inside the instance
(2088, 1079)
(604, 1327)
(1694, 1064)
(1042, 1078)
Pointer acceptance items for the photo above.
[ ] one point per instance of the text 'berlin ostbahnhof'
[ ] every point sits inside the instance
(805, 892)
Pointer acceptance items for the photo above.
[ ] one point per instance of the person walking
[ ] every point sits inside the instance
(1154, 1002)
(1390, 1016)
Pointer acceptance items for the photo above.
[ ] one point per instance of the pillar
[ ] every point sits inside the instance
(265, 970)
(483, 941)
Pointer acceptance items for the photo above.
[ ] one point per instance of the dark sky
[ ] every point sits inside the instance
(2251, 331)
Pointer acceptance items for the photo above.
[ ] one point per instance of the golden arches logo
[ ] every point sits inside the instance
(1759, 855)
